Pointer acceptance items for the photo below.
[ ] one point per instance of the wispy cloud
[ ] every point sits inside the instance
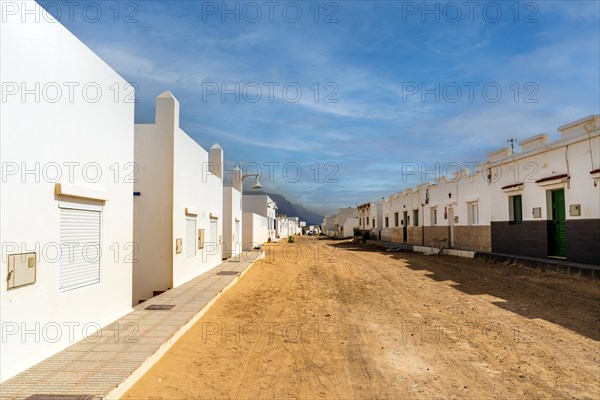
(369, 54)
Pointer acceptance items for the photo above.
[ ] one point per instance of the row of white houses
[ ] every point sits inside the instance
(542, 201)
(341, 224)
(97, 213)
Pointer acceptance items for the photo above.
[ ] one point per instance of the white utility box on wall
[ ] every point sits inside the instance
(21, 270)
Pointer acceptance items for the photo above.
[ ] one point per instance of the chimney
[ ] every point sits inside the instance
(215, 159)
(534, 142)
(236, 182)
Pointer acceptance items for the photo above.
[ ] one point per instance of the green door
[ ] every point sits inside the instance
(405, 226)
(558, 232)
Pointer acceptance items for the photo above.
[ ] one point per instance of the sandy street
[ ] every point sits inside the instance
(321, 319)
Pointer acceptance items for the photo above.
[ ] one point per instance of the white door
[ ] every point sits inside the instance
(80, 248)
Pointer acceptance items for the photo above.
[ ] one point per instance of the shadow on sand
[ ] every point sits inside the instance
(573, 303)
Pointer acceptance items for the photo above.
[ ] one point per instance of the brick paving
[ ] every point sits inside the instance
(107, 365)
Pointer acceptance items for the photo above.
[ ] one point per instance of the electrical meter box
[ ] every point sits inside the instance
(575, 210)
(21, 270)
(537, 212)
(200, 238)
(178, 245)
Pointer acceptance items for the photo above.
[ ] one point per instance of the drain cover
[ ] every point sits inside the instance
(160, 307)
(227, 273)
(61, 397)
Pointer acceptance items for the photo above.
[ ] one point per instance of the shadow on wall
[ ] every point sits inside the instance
(557, 298)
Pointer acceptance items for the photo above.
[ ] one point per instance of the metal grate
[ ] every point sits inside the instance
(61, 397)
(160, 307)
(227, 273)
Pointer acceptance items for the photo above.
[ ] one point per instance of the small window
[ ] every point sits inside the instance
(396, 219)
(515, 209)
(373, 222)
(366, 221)
(387, 222)
(415, 217)
(473, 209)
(434, 216)
(190, 237)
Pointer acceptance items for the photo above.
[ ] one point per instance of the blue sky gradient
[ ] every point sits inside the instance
(373, 57)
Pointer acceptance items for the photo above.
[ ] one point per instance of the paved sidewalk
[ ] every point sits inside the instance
(109, 366)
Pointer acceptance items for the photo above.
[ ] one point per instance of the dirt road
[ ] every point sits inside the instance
(320, 319)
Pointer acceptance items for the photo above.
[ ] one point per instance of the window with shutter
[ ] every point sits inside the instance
(190, 237)
(80, 239)
(214, 232)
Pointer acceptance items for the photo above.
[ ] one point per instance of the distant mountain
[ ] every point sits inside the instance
(284, 206)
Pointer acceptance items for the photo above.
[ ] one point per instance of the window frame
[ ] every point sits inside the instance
(473, 218)
(515, 206)
(433, 216)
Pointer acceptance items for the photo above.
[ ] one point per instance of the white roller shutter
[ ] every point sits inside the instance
(80, 248)
(190, 237)
(214, 232)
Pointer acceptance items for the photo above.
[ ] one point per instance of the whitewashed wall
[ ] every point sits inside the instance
(578, 148)
(175, 184)
(254, 230)
(232, 213)
(197, 188)
(95, 133)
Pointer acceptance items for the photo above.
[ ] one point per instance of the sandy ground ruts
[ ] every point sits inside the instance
(321, 319)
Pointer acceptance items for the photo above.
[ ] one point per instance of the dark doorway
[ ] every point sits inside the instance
(405, 226)
(557, 234)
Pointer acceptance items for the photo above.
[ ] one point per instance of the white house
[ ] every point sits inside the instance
(178, 207)
(349, 225)
(370, 218)
(255, 230)
(282, 226)
(328, 226)
(66, 204)
(342, 229)
(259, 230)
(542, 201)
(295, 228)
(546, 198)
(232, 216)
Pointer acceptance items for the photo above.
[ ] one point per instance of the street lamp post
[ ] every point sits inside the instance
(256, 184)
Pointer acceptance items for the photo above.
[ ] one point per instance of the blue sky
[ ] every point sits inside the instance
(371, 61)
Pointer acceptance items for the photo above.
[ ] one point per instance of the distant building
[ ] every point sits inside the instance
(233, 216)
(543, 201)
(178, 213)
(261, 230)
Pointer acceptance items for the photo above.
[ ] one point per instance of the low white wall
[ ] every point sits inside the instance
(254, 229)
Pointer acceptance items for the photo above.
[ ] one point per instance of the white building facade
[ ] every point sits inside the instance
(66, 198)
(262, 230)
(232, 216)
(543, 201)
(178, 207)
